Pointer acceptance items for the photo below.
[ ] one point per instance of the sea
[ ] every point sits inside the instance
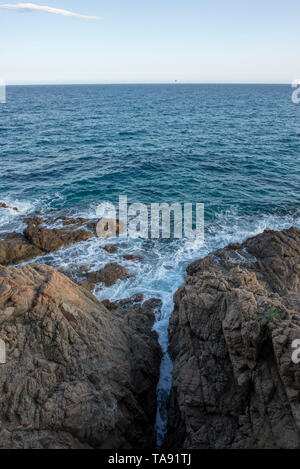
(64, 150)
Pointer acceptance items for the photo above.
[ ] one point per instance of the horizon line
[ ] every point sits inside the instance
(149, 83)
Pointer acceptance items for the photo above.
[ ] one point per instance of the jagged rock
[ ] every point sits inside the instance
(66, 221)
(231, 335)
(110, 249)
(109, 275)
(133, 300)
(38, 240)
(3, 205)
(77, 375)
(15, 249)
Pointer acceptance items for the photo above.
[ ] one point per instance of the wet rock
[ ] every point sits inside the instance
(109, 228)
(109, 275)
(15, 249)
(110, 249)
(132, 257)
(77, 375)
(110, 305)
(66, 221)
(132, 300)
(38, 239)
(231, 335)
(53, 239)
(34, 220)
(127, 302)
(140, 318)
(3, 205)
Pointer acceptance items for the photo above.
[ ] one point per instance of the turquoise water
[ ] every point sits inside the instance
(235, 148)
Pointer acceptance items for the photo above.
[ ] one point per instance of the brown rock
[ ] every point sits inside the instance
(131, 301)
(15, 249)
(127, 302)
(110, 249)
(49, 240)
(34, 221)
(231, 335)
(39, 240)
(109, 275)
(132, 257)
(3, 205)
(66, 221)
(77, 375)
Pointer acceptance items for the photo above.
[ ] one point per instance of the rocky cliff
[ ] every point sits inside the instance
(77, 375)
(231, 335)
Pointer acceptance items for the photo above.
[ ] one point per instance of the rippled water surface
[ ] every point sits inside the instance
(235, 148)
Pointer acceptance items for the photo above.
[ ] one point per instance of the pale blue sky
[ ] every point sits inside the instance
(150, 41)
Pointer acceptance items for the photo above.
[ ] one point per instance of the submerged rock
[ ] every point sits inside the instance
(3, 205)
(53, 239)
(133, 300)
(232, 331)
(77, 375)
(132, 257)
(110, 249)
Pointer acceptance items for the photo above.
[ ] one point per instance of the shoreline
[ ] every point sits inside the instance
(40, 235)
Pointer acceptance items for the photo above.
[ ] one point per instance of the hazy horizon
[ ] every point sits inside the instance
(117, 42)
(146, 83)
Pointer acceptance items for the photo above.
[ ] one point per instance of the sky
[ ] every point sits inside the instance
(150, 41)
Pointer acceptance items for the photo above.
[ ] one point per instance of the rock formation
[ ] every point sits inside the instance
(232, 332)
(109, 275)
(38, 239)
(14, 248)
(132, 258)
(77, 375)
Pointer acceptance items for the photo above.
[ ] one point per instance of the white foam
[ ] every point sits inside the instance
(12, 220)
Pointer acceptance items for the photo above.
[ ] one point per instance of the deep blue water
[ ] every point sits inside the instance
(221, 144)
(235, 148)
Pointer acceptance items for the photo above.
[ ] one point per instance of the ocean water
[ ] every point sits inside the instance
(235, 148)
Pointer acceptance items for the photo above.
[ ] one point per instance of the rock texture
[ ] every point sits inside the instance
(231, 334)
(38, 239)
(77, 375)
(109, 275)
